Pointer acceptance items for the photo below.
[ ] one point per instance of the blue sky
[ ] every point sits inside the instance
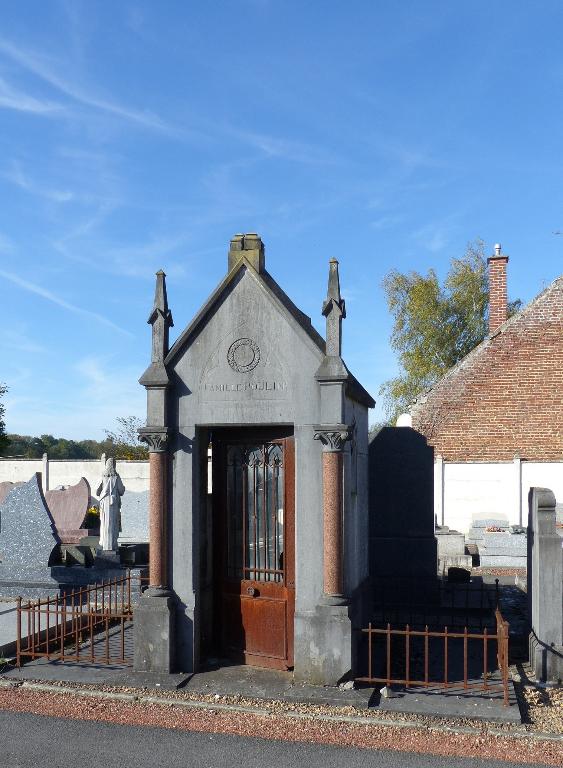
(142, 135)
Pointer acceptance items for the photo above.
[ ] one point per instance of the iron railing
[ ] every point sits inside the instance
(402, 671)
(83, 624)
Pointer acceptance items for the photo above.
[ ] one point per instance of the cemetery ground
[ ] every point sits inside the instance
(276, 721)
(224, 704)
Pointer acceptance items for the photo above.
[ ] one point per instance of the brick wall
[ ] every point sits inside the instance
(505, 397)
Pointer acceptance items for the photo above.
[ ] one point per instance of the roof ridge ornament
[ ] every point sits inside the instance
(249, 246)
(334, 309)
(161, 320)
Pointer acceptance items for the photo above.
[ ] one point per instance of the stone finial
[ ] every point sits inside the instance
(251, 247)
(161, 320)
(334, 309)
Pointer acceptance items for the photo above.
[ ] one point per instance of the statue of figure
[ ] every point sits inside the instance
(110, 491)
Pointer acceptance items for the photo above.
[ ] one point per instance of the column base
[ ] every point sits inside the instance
(153, 633)
(323, 645)
(334, 600)
(546, 661)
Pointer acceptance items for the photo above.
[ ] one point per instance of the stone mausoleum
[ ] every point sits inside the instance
(264, 559)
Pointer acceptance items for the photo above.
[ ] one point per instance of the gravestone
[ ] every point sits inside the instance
(134, 518)
(451, 549)
(27, 538)
(5, 488)
(29, 547)
(478, 528)
(403, 548)
(69, 507)
(503, 549)
(27, 532)
(545, 587)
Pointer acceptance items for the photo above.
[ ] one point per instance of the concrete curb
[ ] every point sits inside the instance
(137, 698)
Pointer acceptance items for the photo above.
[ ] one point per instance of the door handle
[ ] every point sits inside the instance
(252, 591)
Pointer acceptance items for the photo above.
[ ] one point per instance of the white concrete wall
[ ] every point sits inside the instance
(464, 492)
(135, 474)
(19, 470)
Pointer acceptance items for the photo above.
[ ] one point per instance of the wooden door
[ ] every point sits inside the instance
(253, 487)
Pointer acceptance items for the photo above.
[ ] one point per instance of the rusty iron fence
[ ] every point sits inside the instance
(86, 624)
(410, 665)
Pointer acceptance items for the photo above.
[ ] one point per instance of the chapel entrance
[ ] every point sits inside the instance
(253, 499)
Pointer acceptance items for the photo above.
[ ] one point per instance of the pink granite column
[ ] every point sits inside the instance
(156, 440)
(157, 554)
(333, 439)
(332, 523)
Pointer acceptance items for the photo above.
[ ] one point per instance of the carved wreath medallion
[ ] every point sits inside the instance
(243, 355)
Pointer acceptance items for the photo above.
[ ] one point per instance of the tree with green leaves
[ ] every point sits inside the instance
(124, 441)
(435, 326)
(4, 440)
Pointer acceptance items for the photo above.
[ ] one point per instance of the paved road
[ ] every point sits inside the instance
(32, 741)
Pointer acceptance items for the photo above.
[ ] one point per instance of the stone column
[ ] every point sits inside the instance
(157, 444)
(333, 440)
(153, 617)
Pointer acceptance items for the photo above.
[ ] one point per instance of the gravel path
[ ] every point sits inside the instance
(280, 720)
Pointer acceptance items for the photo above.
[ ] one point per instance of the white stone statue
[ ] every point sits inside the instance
(110, 491)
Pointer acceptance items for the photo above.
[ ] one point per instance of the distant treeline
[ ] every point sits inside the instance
(24, 446)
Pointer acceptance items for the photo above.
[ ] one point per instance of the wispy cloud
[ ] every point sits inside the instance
(16, 176)
(288, 149)
(351, 294)
(11, 98)
(387, 221)
(43, 68)
(432, 237)
(94, 370)
(16, 338)
(54, 299)
(138, 260)
(6, 245)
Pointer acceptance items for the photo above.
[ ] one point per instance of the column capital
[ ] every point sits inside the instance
(333, 436)
(156, 438)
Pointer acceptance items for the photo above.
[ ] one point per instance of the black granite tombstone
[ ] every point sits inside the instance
(403, 549)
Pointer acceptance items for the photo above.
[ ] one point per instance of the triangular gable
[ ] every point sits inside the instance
(271, 289)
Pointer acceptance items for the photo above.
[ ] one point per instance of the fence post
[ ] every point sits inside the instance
(19, 632)
(439, 508)
(517, 465)
(45, 472)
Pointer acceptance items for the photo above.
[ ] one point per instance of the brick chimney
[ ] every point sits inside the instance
(498, 302)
